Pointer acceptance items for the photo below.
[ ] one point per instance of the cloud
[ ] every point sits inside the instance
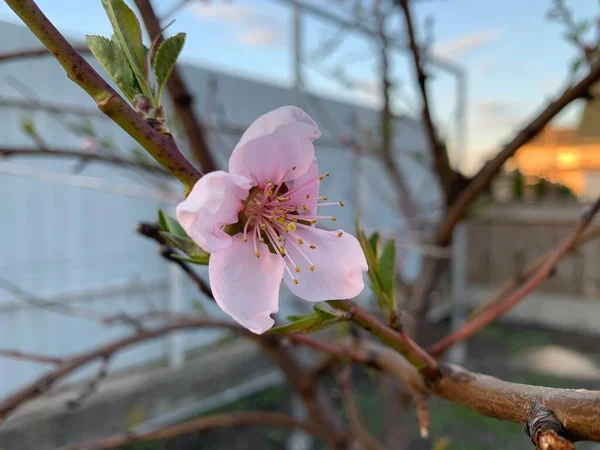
(260, 36)
(457, 47)
(253, 26)
(497, 113)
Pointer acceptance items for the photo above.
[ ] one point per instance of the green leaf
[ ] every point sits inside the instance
(170, 225)
(113, 60)
(374, 242)
(166, 57)
(308, 323)
(29, 128)
(187, 246)
(128, 34)
(326, 312)
(387, 271)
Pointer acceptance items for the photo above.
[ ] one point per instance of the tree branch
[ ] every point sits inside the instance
(182, 99)
(85, 155)
(35, 53)
(440, 156)
(162, 148)
(227, 420)
(485, 175)
(33, 357)
(544, 271)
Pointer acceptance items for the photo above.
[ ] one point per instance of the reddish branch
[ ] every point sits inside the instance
(229, 420)
(84, 155)
(161, 147)
(545, 270)
(182, 98)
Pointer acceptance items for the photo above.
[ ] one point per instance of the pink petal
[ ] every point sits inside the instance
(246, 287)
(274, 144)
(311, 189)
(215, 200)
(339, 265)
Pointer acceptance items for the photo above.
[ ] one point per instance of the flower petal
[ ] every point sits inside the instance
(274, 144)
(311, 189)
(215, 200)
(246, 287)
(339, 265)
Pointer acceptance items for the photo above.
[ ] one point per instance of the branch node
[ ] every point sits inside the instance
(546, 431)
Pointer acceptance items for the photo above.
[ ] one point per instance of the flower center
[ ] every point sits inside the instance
(274, 213)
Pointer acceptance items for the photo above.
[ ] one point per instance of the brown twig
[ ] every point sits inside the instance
(27, 356)
(357, 427)
(440, 156)
(182, 98)
(84, 155)
(485, 175)
(162, 148)
(35, 53)
(227, 420)
(543, 272)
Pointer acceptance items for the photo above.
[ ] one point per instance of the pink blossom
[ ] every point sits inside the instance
(258, 221)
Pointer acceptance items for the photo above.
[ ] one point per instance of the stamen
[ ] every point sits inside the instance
(339, 234)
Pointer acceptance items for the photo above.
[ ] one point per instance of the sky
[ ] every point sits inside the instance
(515, 59)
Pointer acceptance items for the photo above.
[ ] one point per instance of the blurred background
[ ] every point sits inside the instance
(69, 247)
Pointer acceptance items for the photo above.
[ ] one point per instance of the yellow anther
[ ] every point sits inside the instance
(291, 226)
(300, 241)
(257, 254)
(312, 247)
(304, 207)
(282, 249)
(261, 239)
(296, 281)
(333, 219)
(340, 234)
(297, 269)
(263, 226)
(280, 238)
(323, 198)
(341, 203)
(313, 221)
(267, 181)
(295, 219)
(307, 196)
(312, 267)
(245, 239)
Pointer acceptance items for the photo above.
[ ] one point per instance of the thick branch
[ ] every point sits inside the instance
(544, 271)
(440, 156)
(85, 155)
(228, 420)
(182, 99)
(161, 147)
(485, 175)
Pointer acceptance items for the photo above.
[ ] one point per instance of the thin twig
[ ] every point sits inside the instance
(226, 420)
(34, 53)
(27, 356)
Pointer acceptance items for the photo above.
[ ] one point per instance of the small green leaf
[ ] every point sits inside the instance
(170, 225)
(387, 271)
(374, 242)
(113, 60)
(326, 312)
(166, 57)
(187, 246)
(29, 128)
(128, 35)
(308, 323)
